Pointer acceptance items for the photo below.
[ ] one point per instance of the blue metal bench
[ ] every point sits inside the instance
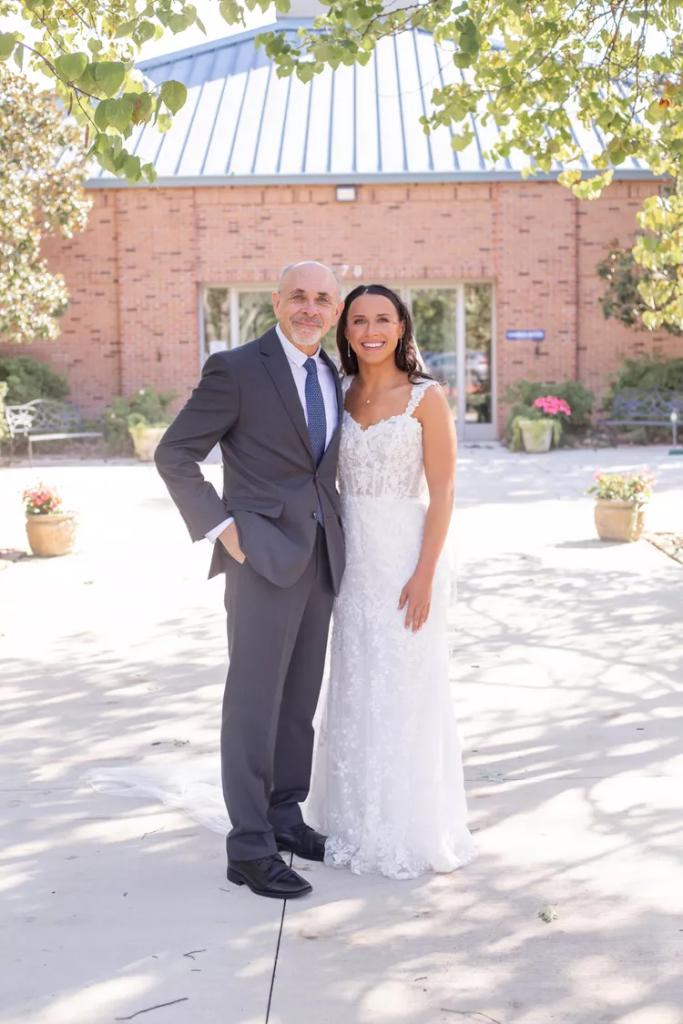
(632, 407)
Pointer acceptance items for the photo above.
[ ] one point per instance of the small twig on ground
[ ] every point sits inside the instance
(470, 1013)
(153, 832)
(157, 1006)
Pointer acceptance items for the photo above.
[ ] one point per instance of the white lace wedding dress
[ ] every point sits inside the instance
(387, 782)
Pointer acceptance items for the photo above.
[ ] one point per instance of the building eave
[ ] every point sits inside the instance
(262, 181)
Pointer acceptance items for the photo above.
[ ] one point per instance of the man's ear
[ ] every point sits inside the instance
(275, 298)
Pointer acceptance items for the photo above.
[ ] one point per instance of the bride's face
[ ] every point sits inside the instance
(373, 328)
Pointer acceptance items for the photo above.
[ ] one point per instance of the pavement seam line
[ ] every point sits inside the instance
(277, 951)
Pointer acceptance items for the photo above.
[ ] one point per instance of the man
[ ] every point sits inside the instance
(274, 406)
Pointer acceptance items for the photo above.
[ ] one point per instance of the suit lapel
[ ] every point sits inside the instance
(337, 385)
(333, 446)
(275, 362)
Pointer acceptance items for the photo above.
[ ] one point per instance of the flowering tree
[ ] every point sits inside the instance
(529, 67)
(37, 195)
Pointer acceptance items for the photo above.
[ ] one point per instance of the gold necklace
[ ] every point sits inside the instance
(367, 401)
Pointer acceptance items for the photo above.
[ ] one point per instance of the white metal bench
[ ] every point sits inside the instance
(45, 419)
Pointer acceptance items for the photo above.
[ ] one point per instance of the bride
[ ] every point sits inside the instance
(387, 786)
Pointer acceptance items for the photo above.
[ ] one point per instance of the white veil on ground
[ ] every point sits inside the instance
(192, 786)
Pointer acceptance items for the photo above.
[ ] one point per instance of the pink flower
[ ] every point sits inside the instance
(551, 405)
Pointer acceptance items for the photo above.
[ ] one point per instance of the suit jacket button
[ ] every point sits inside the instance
(314, 515)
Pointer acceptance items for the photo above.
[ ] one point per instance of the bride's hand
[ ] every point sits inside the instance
(416, 597)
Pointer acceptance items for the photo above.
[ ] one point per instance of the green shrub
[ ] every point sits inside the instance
(522, 394)
(646, 374)
(147, 407)
(27, 379)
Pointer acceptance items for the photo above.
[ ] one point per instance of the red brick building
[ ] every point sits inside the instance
(259, 171)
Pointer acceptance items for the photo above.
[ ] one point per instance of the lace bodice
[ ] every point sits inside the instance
(383, 460)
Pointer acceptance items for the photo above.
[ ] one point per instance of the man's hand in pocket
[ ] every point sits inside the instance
(231, 542)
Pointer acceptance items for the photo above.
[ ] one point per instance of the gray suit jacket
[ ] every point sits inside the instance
(247, 401)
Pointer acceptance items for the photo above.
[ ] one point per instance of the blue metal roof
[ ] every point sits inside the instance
(241, 124)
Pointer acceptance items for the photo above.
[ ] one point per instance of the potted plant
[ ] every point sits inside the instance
(141, 419)
(620, 504)
(539, 425)
(50, 529)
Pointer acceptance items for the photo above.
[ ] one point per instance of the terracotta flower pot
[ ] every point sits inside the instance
(145, 440)
(51, 534)
(618, 520)
(537, 435)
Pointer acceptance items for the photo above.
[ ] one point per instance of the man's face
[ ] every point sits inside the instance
(307, 304)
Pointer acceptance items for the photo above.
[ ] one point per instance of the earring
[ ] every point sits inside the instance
(348, 348)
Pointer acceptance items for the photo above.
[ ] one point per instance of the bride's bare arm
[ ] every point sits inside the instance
(439, 448)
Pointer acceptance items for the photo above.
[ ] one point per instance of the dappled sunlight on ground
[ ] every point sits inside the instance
(566, 670)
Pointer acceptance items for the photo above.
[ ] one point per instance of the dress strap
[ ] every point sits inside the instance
(419, 389)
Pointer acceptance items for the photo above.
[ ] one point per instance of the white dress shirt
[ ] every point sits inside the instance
(296, 359)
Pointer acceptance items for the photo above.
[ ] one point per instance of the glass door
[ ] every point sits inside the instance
(434, 312)
(454, 331)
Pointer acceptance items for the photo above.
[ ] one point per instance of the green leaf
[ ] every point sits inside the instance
(462, 141)
(305, 72)
(142, 107)
(71, 66)
(102, 114)
(7, 43)
(126, 28)
(148, 172)
(173, 94)
(144, 31)
(569, 177)
(131, 168)
(120, 113)
(177, 23)
(109, 75)
(230, 11)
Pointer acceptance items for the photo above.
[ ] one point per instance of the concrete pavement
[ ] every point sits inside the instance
(566, 664)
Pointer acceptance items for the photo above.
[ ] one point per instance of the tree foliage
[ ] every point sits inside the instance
(87, 50)
(39, 193)
(627, 284)
(531, 68)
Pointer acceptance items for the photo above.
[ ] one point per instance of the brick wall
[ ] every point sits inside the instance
(134, 275)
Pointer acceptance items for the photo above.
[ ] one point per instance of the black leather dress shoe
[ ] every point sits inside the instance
(268, 876)
(303, 841)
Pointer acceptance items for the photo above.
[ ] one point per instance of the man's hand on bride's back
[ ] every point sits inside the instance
(416, 598)
(229, 538)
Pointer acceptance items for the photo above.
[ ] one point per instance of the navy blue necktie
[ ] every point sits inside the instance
(315, 410)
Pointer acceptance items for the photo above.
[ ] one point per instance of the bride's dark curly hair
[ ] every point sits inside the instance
(405, 356)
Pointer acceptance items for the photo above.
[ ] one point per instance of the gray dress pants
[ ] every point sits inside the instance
(277, 638)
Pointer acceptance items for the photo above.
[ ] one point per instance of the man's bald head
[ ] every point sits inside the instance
(308, 265)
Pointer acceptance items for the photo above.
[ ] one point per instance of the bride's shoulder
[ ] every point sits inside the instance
(423, 387)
